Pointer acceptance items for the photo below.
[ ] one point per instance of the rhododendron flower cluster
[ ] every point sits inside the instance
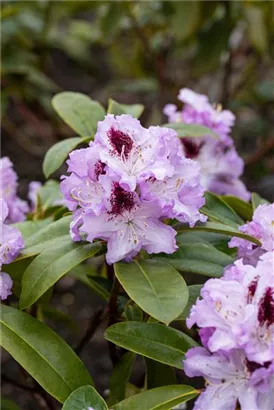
(126, 182)
(236, 320)
(262, 228)
(221, 166)
(17, 208)
(10, 245)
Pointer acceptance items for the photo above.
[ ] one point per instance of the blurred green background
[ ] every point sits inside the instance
(137, 52)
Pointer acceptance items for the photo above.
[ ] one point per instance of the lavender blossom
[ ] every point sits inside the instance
(126, 182)
(262, 228)
(221, 166)
(230, 378)
(17, 208)
(10, 246)
(237, 311)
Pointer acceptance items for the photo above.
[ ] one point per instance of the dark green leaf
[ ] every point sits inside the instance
(190, 130)
(159, 374)
(57, 154)
(156, 287)
(8, 404)
(202, 258)
(161, 398)
(186, 18)
(217, 209)
(152, 340)
(119, 378)
(118, 109)
(221, 229)
(53, 263)
(243, 208)
(79, 111)
(256, 26)
(42, 353)
(133, 312)
(194, 293)
(84, 398)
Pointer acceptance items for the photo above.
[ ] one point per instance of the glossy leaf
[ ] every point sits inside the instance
(28, 228)
(57, 154)
(116, 108)
(119, 378)
(84, 398)
(50, 194)
(50, 266)
(194, 293)
(133, 312)
(221, 229)
(217, 209)
(156, 287)
(243, 208)
(159, 374)
(79, 111)
(161, 398)
(42, 353)
(44, 237)
(257, 200)
(155, 341)
(201, 258)
(190, 130)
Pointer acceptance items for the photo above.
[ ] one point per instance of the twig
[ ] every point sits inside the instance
(113, 314)
(97, 319)
(261, 151)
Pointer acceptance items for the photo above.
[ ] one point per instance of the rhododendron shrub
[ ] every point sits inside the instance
(139, 215)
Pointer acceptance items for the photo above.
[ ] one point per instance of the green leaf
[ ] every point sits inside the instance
(84, 398)
(28, 228)
(94, 282)
(16, 270)
(194, 293)
(217, 209)
(8, 404)
(186, 18)
(156, 287)
(161, 398)
(221, 229)
(42, 353)
(57, 154)
(243, 208)
(190, 130)
(133, 312)
(159, 374)
(257, 200)
(50, 194)
(118, 109)
(155, 341)
(201, 258)
(257, 26)
(119, 378)
(53, 263)
(79, 111)
(43, 239)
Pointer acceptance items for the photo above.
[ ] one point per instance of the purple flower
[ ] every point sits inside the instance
(5, 285)
(123, 186)
(10, 246)
(181, 195)
(17, 208)
(237, 311)
(262, 228)
(133, 152)
(221, 166)
(11, 238)
(230, 378)
(129, 225)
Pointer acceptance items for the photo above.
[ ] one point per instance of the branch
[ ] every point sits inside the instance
(113, 314)
(97, 319)
(261, 152)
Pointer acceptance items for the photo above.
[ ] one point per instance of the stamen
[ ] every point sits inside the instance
(121, 142)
